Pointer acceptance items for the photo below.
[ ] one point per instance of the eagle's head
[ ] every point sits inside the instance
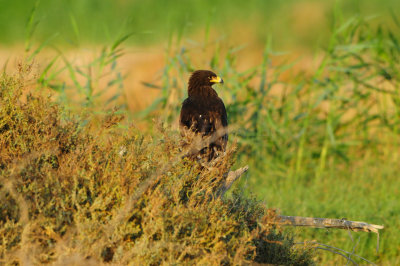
(202, 78)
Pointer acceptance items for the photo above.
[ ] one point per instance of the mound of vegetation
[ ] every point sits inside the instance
(85, 188)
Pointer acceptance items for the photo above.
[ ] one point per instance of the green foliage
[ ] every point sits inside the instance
(88, 84)
(95, 192)
(321, 144)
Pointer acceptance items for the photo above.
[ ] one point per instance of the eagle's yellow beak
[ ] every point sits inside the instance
(216, 80)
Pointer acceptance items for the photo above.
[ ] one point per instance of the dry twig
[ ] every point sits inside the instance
(328, 223)
(231, 177)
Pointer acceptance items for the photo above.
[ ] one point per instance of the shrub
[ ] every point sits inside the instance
(85, 188)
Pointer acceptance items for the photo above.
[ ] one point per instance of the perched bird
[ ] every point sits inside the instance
(203, 118)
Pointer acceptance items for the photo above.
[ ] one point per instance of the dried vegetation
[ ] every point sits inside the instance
(83, 188)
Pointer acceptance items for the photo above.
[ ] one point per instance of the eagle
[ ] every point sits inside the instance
(203, 120)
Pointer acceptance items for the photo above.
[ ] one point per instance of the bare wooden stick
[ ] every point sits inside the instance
(231, 177)
(328, 223)
(234, 175)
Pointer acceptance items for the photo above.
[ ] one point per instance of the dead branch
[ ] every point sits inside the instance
(328, 223)
(231, 177)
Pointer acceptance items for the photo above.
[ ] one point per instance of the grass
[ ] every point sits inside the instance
(320, 144)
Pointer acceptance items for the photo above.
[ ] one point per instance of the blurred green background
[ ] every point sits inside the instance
(291, 23)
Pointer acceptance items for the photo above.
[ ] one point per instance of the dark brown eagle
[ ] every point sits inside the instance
(203, 118)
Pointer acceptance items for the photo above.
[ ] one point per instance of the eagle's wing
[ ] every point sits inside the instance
(204, 125)
(186, 117)
(221, 124)
(190, 127)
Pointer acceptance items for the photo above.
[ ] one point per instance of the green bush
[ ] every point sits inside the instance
(86, 188)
